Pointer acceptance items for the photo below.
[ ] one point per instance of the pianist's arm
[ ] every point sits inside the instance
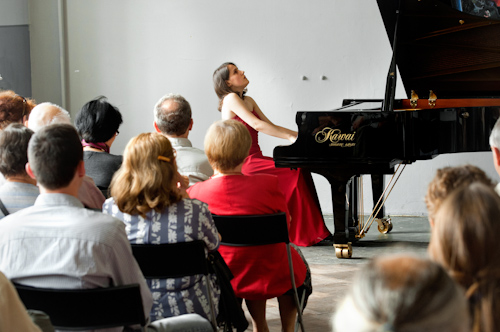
(234, 105)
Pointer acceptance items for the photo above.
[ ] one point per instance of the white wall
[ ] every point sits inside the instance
(134, 52)
(13, 12)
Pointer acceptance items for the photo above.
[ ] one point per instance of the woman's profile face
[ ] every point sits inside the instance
(237, 79)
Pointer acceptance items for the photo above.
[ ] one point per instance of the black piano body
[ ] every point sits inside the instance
(360, 139)
(452, 57)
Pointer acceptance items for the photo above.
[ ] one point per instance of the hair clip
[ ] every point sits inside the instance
(164, 158)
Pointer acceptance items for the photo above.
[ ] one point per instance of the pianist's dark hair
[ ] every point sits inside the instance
(221, 75)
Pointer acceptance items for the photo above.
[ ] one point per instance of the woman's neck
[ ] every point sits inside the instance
(233, 171)
(89, 148)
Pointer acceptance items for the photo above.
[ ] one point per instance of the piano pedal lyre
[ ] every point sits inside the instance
(343, 250)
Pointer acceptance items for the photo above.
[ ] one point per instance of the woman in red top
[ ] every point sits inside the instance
(307, 226)
(260, 272)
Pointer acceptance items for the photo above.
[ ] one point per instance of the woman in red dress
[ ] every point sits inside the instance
(260, 272)
(307, 226)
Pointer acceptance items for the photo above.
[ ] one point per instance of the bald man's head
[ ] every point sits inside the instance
(45, 114)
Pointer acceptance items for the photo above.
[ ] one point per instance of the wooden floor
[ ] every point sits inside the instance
(331, 277)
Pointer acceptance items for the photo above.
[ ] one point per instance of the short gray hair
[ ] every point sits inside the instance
(403, 293)
(495, 135)
(45, 114)
(173, 121)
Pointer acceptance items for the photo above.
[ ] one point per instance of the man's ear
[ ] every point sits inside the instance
(156, 127)
(29, 171)
(81, 169)
(496, 156)
(190, 125)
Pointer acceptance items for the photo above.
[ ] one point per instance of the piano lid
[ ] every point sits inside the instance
(439, 48)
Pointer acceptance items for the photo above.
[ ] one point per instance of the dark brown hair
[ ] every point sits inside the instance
(54, 153)
(14, 141)
(221, 75)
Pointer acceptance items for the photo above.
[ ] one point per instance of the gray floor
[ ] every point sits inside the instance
(331, 276)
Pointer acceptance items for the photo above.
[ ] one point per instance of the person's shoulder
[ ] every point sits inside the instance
(264, 180)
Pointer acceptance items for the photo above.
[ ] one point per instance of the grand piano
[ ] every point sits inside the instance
(448, 56)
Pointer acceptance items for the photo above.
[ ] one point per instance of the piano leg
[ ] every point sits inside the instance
(343, 216)
(378, 190)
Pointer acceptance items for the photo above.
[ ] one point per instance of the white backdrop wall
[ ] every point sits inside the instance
(134, 52)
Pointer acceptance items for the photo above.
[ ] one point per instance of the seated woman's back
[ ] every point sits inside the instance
(145, 197)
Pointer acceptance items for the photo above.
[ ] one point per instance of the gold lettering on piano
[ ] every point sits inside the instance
(335, 137)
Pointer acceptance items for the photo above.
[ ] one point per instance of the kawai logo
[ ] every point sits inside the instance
(335, 137)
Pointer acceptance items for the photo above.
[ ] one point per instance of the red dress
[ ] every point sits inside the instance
(307, 227)
(260, 272)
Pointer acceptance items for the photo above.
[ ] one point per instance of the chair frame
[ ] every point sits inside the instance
(180, 259)
(86, 309)
(254, 230)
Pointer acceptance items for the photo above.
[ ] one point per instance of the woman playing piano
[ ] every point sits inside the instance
(307, 225)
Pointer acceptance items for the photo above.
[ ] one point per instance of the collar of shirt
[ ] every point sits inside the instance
(180, 141)
(57, 200)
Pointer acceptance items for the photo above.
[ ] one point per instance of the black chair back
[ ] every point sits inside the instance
(86, 309)
(175, 260)
(246, 230)
(253, 230)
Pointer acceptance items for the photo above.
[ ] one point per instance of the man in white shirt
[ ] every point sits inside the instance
(495, 149)
(173, 119)
(57, 243)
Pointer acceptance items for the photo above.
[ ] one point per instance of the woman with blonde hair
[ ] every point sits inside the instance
(146, 197)
(307, 226)
(260, 272)
(402, 293)
(464, 240)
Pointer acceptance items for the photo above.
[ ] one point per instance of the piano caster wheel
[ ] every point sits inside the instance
(343, 250)
(384, 225)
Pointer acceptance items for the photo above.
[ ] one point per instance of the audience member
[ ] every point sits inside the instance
(173, 119)
(91, 248)
(46, 114)
(13, 314)
(464, 241)
(448, 179)
(97, 123)
(495, 149)
(20, 190)
(14, 108)
(402, 293)
(146, 198)
(307, 226)
(260, 273)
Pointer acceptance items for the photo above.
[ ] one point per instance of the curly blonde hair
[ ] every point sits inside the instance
(448, 179)
(145, 182)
